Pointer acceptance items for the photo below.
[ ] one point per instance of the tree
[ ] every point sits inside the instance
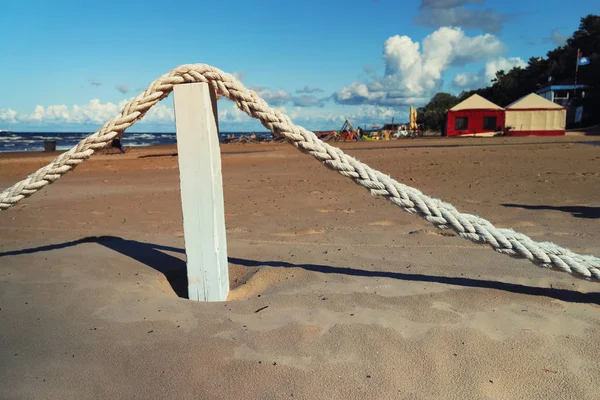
(433, 115)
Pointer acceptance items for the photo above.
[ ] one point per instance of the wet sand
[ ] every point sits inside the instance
(362, 300)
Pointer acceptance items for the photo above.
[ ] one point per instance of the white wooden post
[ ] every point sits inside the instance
(201, 182)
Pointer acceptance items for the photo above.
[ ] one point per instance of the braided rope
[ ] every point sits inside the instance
(442, 215)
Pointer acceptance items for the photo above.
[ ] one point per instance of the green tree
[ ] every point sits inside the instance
(433, 115)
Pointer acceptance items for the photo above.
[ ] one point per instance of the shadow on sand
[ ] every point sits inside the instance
(576, 211)
(174, 269)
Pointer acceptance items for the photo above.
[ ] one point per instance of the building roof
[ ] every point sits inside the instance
(475, 102)
(533, 100)
(560, 87)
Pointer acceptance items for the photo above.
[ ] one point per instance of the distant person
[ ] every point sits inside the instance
(116, 143)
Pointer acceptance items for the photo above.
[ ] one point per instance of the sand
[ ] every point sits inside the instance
(362, 300)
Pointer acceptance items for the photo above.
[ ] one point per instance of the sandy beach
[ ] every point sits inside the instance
(335, 294)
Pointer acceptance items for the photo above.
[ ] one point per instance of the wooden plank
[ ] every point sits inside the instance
(201, 182)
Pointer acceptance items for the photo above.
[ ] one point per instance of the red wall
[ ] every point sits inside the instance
(475, 121)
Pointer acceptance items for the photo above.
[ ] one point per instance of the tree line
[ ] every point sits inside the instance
(558, 67)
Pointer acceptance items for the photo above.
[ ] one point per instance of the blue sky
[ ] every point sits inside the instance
(70, 65)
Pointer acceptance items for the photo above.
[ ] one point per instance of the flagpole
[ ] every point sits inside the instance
(576, 71)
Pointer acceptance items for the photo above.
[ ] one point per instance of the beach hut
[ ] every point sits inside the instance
(535, 115)
(475, 116)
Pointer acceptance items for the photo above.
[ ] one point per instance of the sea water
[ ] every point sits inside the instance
(34, 141)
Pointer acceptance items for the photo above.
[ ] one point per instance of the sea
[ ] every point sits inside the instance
(34, 141)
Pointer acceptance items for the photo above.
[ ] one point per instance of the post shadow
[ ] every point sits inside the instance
(174, 269)
(576, 211)
(148, 254)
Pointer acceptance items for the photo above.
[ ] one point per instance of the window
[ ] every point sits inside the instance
(489, 123)
(461, 123)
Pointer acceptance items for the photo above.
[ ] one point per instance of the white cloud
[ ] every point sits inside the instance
(239, 75)
(378, 115)
(281, 97)
(447, 3)
(92, 113)
(412, 75)
(487, 73)
(368, 69)
(159, 118)
(123, 88)
(309, 101)
(329, 119)
(232, 115)
(557, 38)
(505, 64)
(309, 90)
(464, 79)
(8, 116)
(436, 13)
(273, 97)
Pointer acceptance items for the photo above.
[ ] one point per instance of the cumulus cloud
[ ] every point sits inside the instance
(425, 4)
(377, 115)
(327, 118)
(273, 97)
(281, 97)
(557, 38)
(413, 75)
(95, 113)
(92, 113)
(239, 75)
(484, 77)
(8, 116)
(308, 101)
(308, 90)
(368, 69)
(123, 88)
(232, 115)
(437, 13)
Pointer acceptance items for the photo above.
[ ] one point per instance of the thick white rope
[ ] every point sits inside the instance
(437, 212)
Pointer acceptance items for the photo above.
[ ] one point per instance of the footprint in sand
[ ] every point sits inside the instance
(520, 224)
(302, 232)
(576, 234)
(381, 223)
(347, 210)
(429, 232)
(236, 230)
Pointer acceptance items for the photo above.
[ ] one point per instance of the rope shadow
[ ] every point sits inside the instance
(571, 296)
(158, 155)
(174, 269)
(576, 211)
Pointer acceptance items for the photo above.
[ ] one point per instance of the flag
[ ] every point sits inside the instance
(581, 60)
